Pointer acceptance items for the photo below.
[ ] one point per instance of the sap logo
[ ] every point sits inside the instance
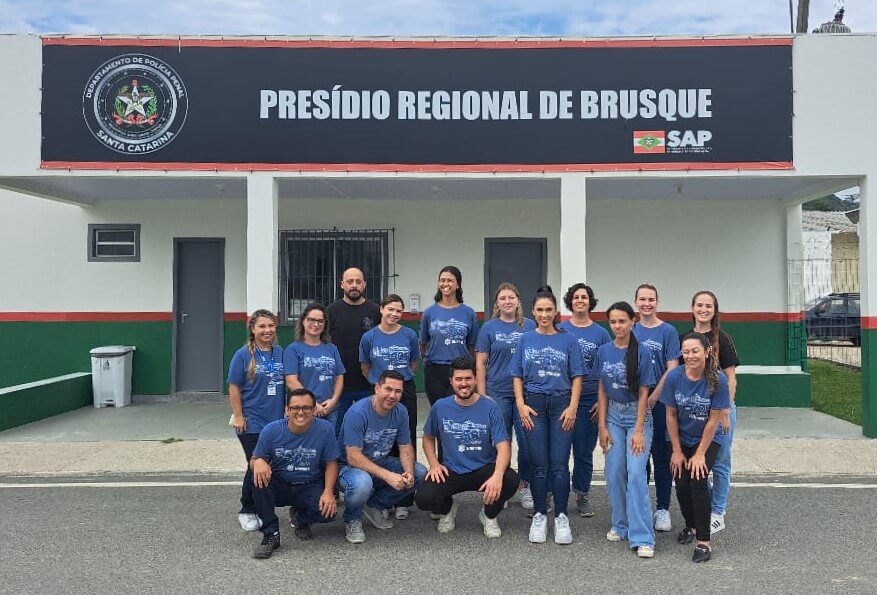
(688, 138)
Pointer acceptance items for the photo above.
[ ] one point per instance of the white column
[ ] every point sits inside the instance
(262, 248)
(573, 211)
(868, 291)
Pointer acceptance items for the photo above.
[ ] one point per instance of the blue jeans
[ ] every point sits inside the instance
(549, 449)
(304, 498)
(626, 476)
(513, 421)
(661, 458)
(722, 469)
(584, 439)
(360, 488)
(347, 399)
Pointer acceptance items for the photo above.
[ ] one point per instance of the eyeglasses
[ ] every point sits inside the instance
(315, 321)
(300, 408)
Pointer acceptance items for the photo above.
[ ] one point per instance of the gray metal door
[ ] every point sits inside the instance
(522, 261)
(199, 285)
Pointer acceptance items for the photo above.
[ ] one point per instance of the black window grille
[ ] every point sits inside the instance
(312, 261)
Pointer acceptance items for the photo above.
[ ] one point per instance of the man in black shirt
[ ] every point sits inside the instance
(349, 319)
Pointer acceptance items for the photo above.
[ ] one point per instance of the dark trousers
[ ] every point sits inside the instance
(436, 497)
(304, 498)
(694, 497)
(248, 443)
(661, 458)
(409, 401)
(437, 383)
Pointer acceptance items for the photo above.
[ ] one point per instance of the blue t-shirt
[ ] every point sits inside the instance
(692, 401)
(394, 351)
(662, 342)
(590, 338)
(468, 435)
(260, 405)
(316, 367)
(298, 458)
(610, 365)
(547, 363)
(447, 333)
(498, 340)
(373, 433)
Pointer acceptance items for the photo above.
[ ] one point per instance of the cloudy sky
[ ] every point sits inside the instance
(421, 17)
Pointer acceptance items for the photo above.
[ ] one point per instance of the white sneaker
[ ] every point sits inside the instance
(526, 498)
(353, 531)
(491, 526)
(448, 522)
(662, 520)
(381, 519)
(613, 535)
(433, 516)
(401, 513)
(645, 551)
(562, 532)
(717, 523)
(539, 528)
(249, 521)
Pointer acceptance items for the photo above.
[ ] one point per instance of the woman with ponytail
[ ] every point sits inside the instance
(696, 397)
(705, 315)
(257, 397)
(546, 372)
(626, 429)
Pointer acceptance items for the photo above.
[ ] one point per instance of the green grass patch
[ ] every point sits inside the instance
(837, 390)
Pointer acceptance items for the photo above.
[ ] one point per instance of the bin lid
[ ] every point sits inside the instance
(112, 350)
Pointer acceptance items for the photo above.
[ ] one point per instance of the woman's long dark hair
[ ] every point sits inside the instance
(458, 276)
(545, 292)
(711, 370)
(631, 358)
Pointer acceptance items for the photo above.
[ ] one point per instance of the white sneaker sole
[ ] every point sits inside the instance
(377, 523)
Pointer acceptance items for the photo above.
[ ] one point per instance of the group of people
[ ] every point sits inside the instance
(344, 429)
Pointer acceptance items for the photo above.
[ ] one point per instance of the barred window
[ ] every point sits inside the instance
(114, 242)
(312, 261)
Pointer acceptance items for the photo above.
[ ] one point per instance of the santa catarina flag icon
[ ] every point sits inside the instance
(648, 141)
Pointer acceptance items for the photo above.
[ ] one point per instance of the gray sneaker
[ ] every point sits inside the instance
(583, 505)
(381, 519)
(353, 531)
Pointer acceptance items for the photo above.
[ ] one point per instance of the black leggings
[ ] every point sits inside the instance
(248, 443)
(694, 494)
(437, 497)
(437, 382)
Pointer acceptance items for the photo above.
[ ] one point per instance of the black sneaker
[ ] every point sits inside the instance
(685, 536)
(267, 546)
(304, 532)
(583, 504)
(292, 516)
(702, 553)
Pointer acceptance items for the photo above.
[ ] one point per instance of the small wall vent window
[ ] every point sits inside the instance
(114, 242)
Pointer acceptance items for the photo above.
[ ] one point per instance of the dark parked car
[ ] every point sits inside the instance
(836, 316)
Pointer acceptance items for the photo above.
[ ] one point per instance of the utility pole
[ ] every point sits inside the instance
(803, 16)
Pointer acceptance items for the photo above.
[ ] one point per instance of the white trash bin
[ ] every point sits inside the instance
(111, 375)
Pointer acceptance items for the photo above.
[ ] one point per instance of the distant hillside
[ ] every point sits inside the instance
(832, 202)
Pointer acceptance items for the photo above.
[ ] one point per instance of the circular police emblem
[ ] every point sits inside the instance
(135, 104)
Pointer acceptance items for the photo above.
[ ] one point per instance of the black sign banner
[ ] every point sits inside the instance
(417, 105)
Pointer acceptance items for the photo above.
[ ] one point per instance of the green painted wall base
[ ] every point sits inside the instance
(869, 382)
(773, 390)
(39, 400)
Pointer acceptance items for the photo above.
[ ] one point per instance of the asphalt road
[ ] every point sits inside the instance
(186, 539)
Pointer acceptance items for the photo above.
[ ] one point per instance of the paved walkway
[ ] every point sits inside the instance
(159, 436)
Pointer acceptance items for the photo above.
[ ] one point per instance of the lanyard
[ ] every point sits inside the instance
(264, 361)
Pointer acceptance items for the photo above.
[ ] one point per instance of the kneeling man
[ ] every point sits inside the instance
(373, 481)
(476, 449)
(295, 463)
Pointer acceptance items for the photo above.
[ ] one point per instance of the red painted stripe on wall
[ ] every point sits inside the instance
(85, 316)
(236, 316)
(869, 322)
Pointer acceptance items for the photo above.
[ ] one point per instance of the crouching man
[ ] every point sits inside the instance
(476, 449)
(374, 482)
(295, 463)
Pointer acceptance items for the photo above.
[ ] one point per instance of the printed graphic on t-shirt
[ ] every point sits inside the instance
(396, 356)
(548, 361)
(469, 434)
(296, 459)
(324, 365)
(696, 406)
(589, 351)
(510, 339)
(367, 323)
(617, 374)
(455, 331)
(379, 441)
(655, 349)
(262, 369)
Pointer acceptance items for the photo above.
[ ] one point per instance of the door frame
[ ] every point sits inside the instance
(176, 306)
(488, 291)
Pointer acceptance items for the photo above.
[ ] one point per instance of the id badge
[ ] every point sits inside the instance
(272, 389)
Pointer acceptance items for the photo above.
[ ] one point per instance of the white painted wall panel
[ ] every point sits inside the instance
(21, 70)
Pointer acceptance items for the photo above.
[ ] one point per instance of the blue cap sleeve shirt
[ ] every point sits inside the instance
(590, 339)
(447, 333)
(499, 339)
(393, 351)
(298, 458)
(547, 363)
(316, 367)
(611, 366)
(468, 435)
(263, 399)
(662, 342)
(693, 403)
(374, 434)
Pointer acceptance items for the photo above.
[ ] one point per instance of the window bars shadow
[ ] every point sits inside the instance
(313, 260)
